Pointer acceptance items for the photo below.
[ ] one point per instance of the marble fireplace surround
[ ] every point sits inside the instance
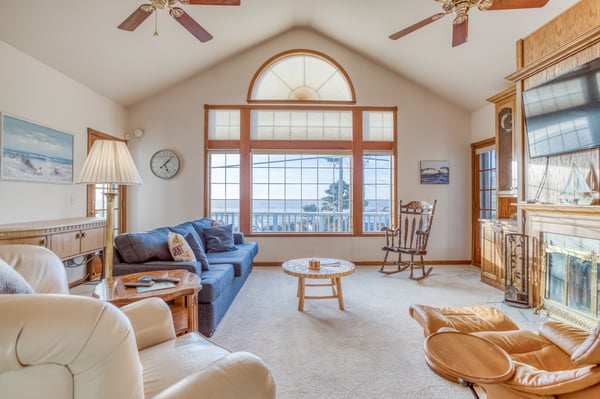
(556, 220)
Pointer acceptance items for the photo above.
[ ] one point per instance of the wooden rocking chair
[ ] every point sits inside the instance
(409, 238)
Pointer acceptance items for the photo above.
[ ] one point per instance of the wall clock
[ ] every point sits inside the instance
(505, 120)
(164, 164)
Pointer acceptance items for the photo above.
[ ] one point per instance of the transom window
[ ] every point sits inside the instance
(310, 169)
(301, 76)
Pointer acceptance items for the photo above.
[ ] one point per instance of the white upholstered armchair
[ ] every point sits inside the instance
(67, 346)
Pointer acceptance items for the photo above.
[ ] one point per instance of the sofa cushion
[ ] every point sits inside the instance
(219, 238)
(198, 251)
(145, 246)
(11, 282)
(179, 248)
(214, 282)
(241, 260)
(250, 246)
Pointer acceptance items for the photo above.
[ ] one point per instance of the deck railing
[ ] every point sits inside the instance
(305, 222)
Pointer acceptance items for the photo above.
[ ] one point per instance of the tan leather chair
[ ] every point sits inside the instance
(67, 346)
(559, 362)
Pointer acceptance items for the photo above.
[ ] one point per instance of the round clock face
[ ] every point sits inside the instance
(164, 164)
(505, 119)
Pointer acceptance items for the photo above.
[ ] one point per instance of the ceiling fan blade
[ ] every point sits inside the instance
(514, 4)
(188, 23)
(136, 18)
(460, 32)
(215, 2)
(416, 26)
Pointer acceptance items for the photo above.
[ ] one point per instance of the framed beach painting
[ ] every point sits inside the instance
(35, 153)
(434, 172)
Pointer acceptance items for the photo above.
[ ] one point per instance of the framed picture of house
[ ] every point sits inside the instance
(434, 172)
(33, 152)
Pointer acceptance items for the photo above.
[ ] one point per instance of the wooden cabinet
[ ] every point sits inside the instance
(68, 238)
(506, 173)
(492, 250)
(77, 242)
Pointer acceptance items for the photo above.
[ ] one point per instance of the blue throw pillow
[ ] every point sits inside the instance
(219, 238)
(199, 225)
(145, 246)
(188, 228)
(198, 251)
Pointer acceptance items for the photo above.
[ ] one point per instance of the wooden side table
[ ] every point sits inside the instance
(468, 357)
(184, 295)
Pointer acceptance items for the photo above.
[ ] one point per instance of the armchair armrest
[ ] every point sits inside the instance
(91, 339)
(530, 380)
(237, 375)
(151, 320)
(565, 336)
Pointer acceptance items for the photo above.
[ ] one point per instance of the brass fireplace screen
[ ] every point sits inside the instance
(571, 279)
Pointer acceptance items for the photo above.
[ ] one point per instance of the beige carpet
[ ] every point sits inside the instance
(371, 350)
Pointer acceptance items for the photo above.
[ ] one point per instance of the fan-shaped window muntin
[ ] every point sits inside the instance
(301, 76)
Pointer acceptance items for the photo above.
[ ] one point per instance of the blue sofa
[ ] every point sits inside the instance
(222, 276)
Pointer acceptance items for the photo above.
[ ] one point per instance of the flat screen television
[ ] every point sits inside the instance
(563, 115)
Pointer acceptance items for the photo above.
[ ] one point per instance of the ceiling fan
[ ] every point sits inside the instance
(460, 8)
(144, 11)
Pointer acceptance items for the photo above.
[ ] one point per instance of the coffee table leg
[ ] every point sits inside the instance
(338, 283)
(301, 289)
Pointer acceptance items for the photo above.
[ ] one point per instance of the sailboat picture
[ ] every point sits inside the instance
(576, 190)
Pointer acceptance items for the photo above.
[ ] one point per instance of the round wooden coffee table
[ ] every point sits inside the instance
(184, 295)
(331, 269)
(468, 357)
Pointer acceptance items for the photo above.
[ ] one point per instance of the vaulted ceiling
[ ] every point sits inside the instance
(80, 39)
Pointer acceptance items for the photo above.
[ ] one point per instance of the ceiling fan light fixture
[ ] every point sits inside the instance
(160, 4)
(147, 8)
(176, 12)
(484, 5)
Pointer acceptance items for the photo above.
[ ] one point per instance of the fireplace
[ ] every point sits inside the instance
(565, 282)
(571, 278)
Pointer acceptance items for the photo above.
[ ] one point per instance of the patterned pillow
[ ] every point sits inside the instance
(11, 282)
(179, 248)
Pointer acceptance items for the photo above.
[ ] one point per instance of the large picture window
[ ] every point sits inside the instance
(310, 169)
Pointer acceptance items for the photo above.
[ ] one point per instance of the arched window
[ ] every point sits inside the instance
(301, 76)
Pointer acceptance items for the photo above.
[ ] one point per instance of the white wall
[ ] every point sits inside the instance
(429, 128)
(483, 123)
(33, 91)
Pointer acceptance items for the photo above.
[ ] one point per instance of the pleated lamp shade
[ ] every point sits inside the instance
(109, 162)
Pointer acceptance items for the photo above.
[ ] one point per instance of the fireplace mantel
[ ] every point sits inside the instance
(545, 220)
(560, 208)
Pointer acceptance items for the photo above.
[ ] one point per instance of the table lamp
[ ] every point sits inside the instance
(109, 162)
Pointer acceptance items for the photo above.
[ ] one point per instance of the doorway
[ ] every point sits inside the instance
(483, 189)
